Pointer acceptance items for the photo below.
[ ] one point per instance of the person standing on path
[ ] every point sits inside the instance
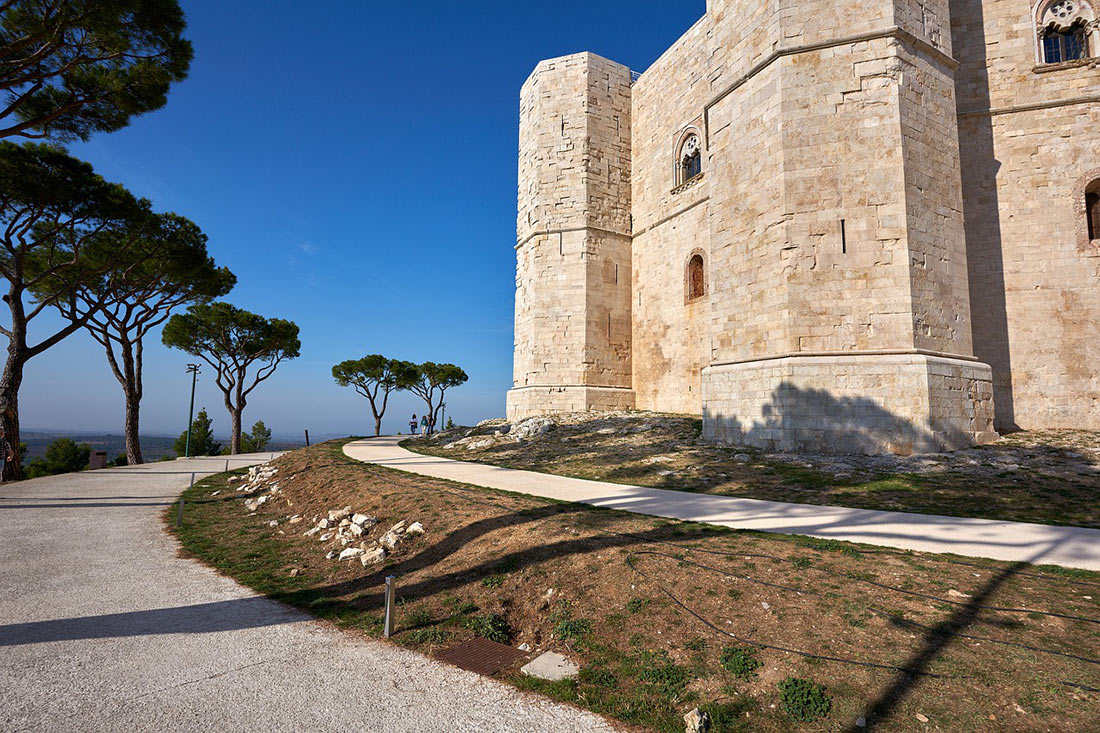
(425, 424)
(412, 424)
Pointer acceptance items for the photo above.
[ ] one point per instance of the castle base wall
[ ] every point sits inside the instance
(524, 402)
(859, 404)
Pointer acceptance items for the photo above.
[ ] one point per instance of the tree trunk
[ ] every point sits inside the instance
(131, 386)
(12, 380)
(133, 441)
(235, 436)
(377, 426)
(9, 407)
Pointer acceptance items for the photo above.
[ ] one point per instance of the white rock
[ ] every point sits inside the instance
(215, 493)
(390, 539)
(326, 537)
(273, 523)
(362, 519)
(415, 528)
(741, 458)
(355, 529)
(350, 553)
(324, 524)
(331, 555)
(311, 532)
(335, 515)
(295, 519)
(696, 721)
(524, 647)
(372, 557)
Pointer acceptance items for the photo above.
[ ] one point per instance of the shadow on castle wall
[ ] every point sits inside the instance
(816, 421)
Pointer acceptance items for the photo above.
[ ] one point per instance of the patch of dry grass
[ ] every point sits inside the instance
(663, 616)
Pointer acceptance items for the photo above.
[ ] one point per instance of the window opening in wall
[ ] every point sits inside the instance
(696, 278)
(843, 238)
(1070, 46)
(1092, 210)
(691, 159)
(1064, 30)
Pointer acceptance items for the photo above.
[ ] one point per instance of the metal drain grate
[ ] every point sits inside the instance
(481, 656)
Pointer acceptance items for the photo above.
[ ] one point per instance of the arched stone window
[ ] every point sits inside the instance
(696, 277)
(1067, 31)
(1092, 210)
(690, 159)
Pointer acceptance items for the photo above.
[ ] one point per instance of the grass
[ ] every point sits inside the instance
(1055, 475)
(632, 599)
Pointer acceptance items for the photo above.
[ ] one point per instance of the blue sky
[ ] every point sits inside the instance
(354, 164)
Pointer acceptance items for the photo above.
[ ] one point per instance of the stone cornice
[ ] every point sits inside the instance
(549, 232)
(894, 32)
(1092, 99)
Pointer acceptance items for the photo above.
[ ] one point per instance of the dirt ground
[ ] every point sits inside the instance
(665, 616)
(1050, 477)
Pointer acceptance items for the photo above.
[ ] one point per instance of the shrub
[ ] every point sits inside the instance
(493, 581)
(741, 662)
(62, 456)
(636, 605)
(804, 700)
(491, 626)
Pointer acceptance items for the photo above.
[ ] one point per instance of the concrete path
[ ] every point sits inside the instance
(1013, 541)
(104, 628)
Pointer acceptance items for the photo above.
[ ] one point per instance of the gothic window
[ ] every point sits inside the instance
(1068, 46)
(1092, 209)
(690, 159)
(696, 278)
(1065, 27)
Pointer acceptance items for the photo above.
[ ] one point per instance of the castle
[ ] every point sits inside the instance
(825, 226)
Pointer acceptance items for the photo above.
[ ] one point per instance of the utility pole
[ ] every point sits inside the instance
(193, 370)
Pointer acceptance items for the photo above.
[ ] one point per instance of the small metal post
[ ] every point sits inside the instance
(307, 439)
(387, 630)
(227, 465)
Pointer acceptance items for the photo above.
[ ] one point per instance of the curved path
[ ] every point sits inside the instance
(104, 628)
(1073, 547)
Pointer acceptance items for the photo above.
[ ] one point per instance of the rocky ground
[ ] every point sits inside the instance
(1046, 477)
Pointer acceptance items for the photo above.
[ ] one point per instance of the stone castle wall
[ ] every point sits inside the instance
(852, 213)
(573, 322)
(1031, 142)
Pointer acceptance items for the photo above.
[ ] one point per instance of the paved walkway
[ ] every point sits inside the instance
(104, 628)
(1013, 541)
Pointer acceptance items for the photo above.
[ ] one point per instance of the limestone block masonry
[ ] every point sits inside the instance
(824, 226)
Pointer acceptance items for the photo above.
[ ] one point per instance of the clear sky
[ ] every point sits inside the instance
(354, 164)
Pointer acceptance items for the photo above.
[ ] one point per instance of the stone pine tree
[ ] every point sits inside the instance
(233, 341)
(69, 68)
(376, 378)
(430, 381)
(202, 438)
(256, 440)
(163, 265)
(52, 207)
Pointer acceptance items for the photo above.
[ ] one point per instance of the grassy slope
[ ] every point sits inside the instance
(630, 593)
(1024, 478)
